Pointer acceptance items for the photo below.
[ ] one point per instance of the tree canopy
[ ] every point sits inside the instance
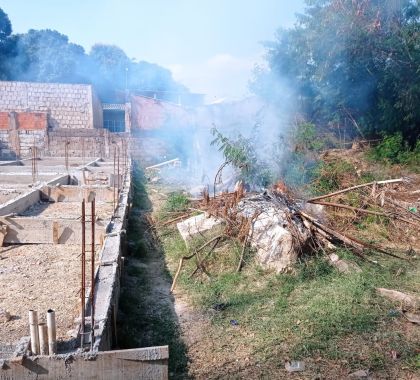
(354, 63)
(49, 56)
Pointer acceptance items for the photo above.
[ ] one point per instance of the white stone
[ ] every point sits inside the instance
(195, 225)
(271, 234)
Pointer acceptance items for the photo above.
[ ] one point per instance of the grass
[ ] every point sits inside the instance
(314, 312)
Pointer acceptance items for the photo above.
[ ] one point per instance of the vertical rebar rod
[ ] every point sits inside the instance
(83, 151)
(83, 292)
(118, 174)
(32, 165)
(92, 292)
(113, 184)
(66, 153)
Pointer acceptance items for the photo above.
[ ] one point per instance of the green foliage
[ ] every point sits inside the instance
(306, 138)
(328, 176)
(352, 63)
(241, 154)
(6, 44)
(297, 166)
(176, 202)
(394, 150)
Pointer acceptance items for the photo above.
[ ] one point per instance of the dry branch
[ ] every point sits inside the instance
(363, 211)
(183, 216)
(313, 200)
(181, 261)
(356, 244)
(200, 265)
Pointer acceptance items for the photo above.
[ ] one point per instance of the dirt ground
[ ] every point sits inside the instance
(7, 195)
(39, 277)
(67, 210)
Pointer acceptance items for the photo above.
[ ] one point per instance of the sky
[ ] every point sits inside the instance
(211, 46)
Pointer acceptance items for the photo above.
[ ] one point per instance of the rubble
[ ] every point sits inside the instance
(5, 316)
(342, 265)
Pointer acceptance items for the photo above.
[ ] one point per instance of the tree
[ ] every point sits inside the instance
(48, 56)
(351, 62)
(6, 44)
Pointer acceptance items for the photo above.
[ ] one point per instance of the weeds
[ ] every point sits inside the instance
(176, 202)
(329, 176)
(394, 150)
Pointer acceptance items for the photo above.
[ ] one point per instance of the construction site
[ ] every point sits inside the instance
(132, 247)
(65, 193)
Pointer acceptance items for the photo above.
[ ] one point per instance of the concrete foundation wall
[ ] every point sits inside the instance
(140, 363)
(76, 193)
(108, 276)
(21, 203)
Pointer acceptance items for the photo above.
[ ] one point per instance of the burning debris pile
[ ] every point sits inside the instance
(280, 228)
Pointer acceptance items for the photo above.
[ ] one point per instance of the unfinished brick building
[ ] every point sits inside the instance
(54, 116)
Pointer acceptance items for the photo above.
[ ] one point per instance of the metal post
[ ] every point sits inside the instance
(66, 153)
(83, 292)
(118, 174)
(113, 184)
(83, 151)
(92, 281)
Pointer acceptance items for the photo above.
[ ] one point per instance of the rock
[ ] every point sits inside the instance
(404, 299)
(5, 316)
(195, 225)
(295, 366)
(413, 318)
(343, 266)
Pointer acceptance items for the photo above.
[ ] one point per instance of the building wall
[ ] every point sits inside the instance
(20, 131)
(149, 114)
(67, 105)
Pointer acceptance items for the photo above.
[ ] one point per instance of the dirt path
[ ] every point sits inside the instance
(147, 314)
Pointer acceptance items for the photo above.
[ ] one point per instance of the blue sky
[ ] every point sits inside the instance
(211, 46)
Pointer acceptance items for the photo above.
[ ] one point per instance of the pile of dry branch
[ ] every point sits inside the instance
(278, 214)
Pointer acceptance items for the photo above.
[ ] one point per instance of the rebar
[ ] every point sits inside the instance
(118, 169)
(34, 163)
(113, 184)
(66, 154)
(92, 281)
(83, 292)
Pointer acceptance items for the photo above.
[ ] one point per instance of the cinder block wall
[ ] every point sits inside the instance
(67, 105)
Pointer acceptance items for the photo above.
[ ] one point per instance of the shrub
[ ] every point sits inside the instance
(394, 150)
(177, 202)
